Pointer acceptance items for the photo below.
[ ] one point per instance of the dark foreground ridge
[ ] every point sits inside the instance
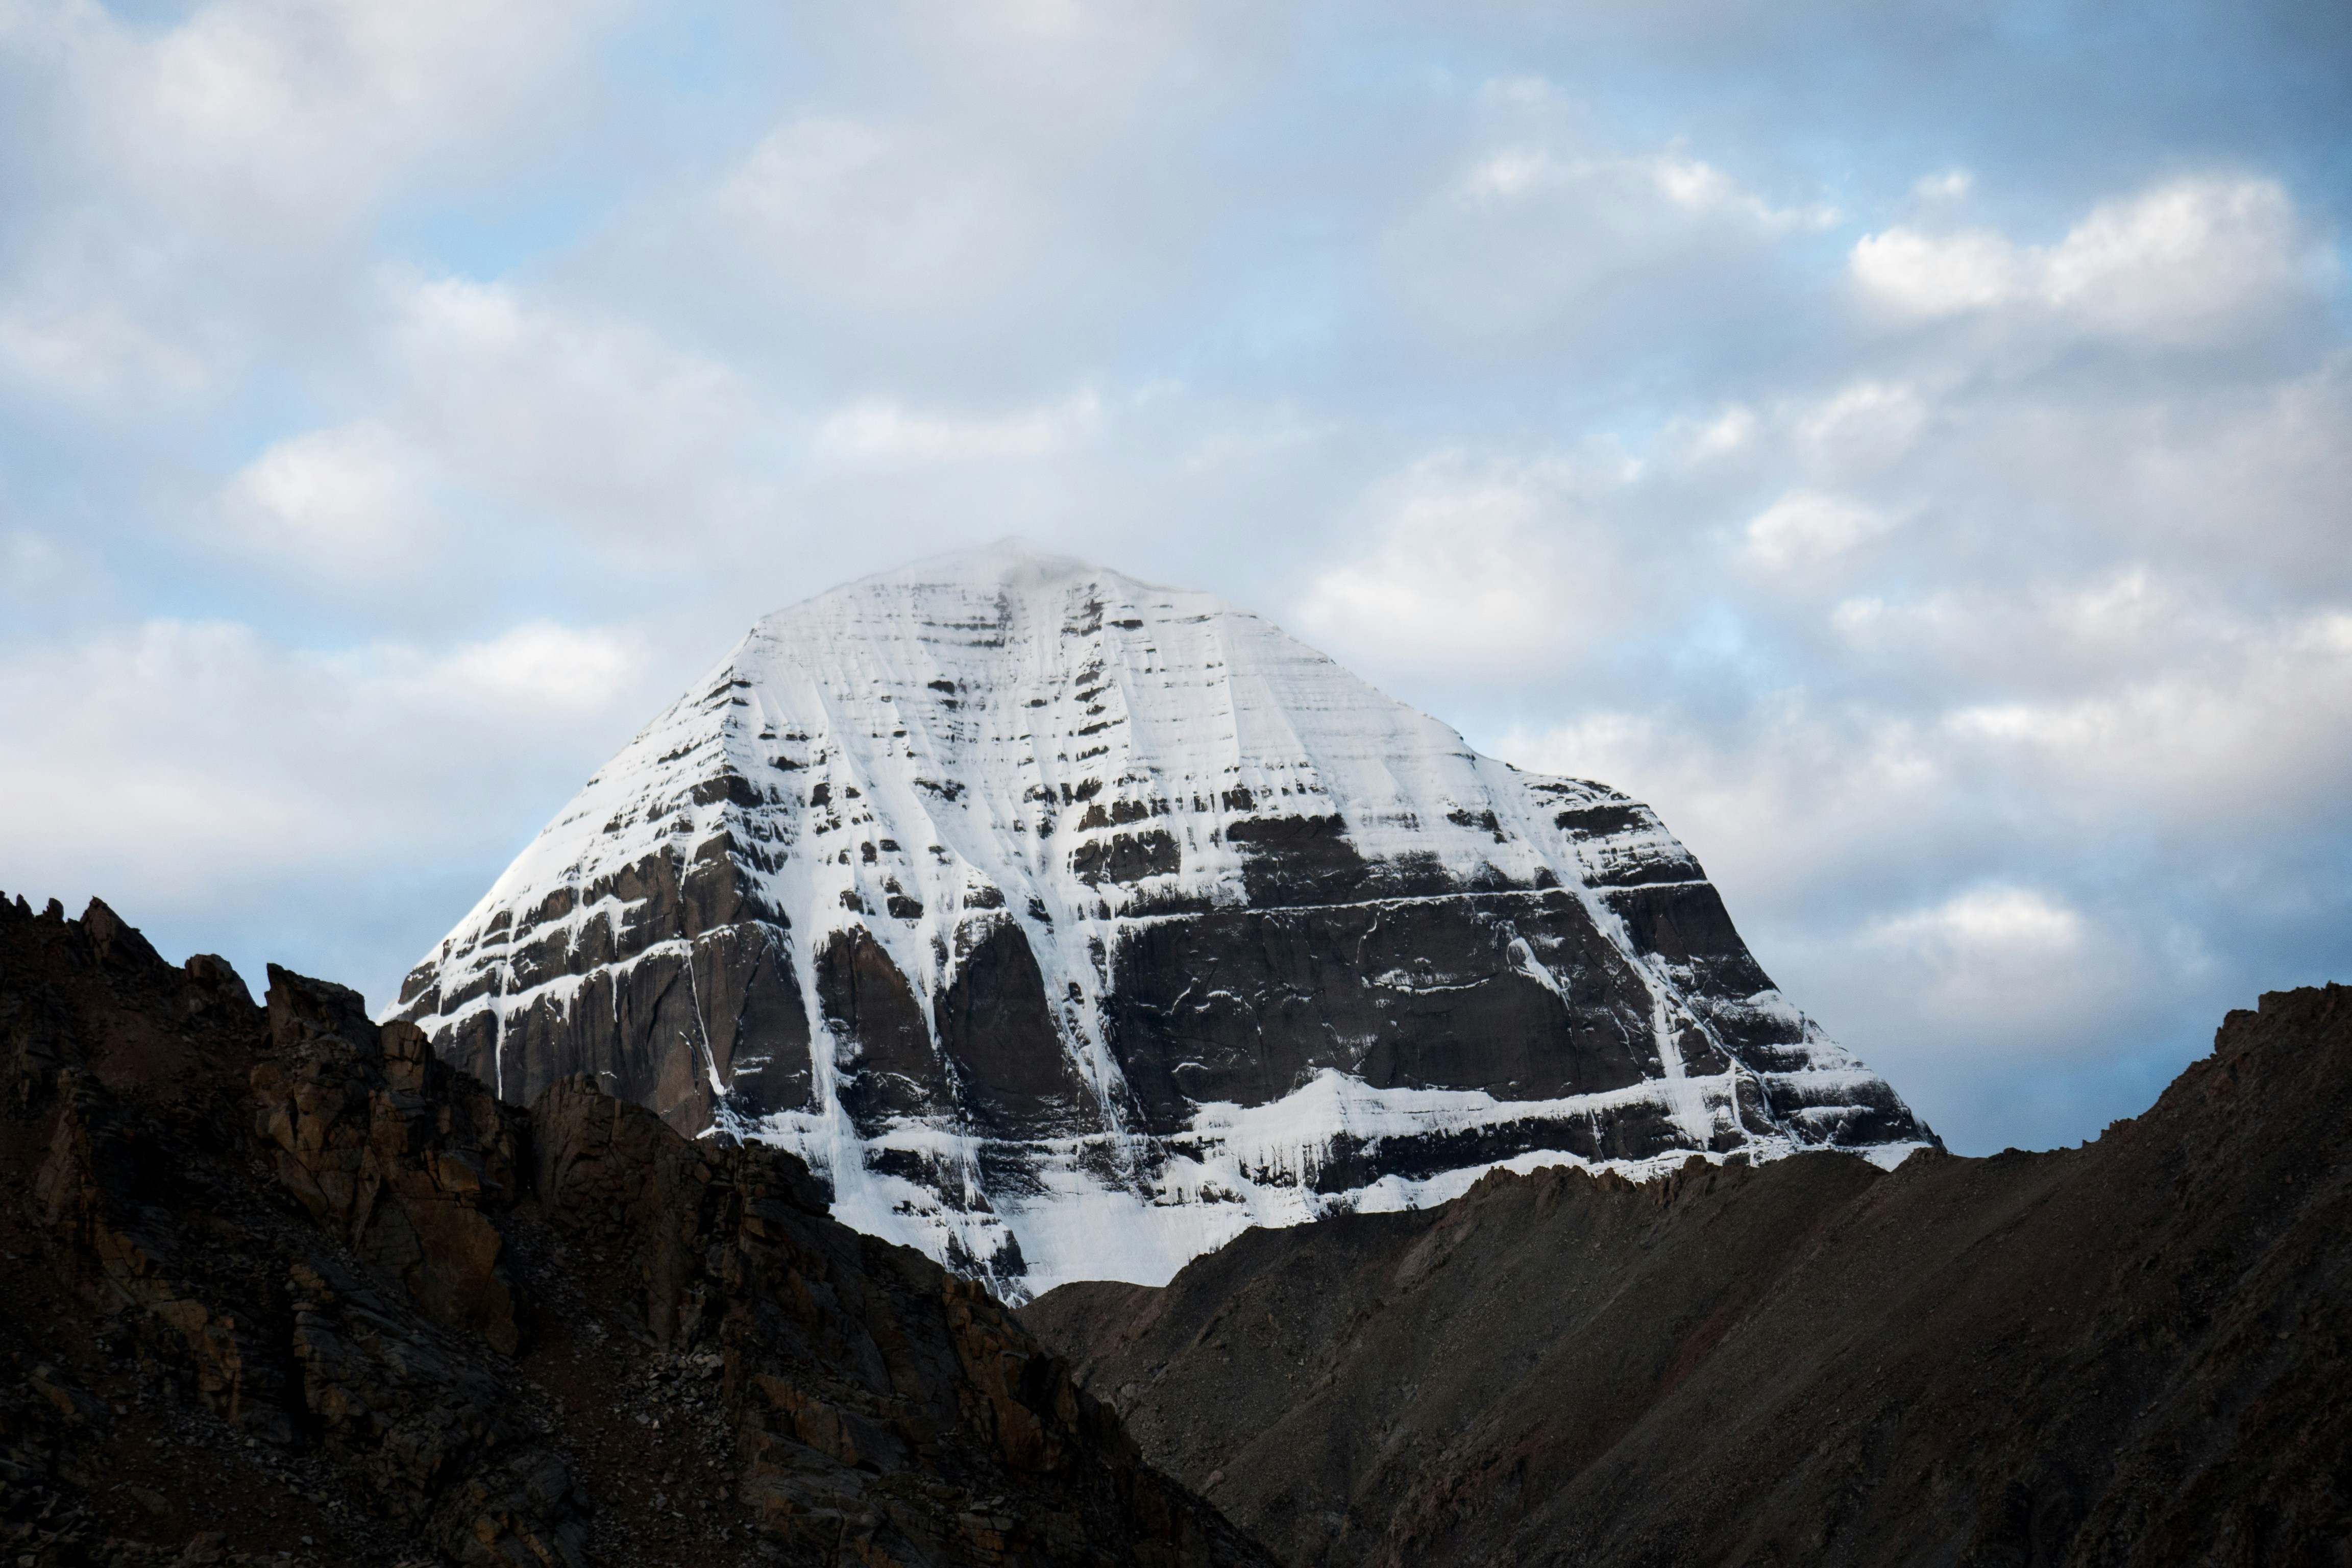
(2133, 1352)
(280, 1287)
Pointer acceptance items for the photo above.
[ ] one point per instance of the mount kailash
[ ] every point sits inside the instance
(1068, 926)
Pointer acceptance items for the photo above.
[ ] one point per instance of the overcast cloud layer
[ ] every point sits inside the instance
(1908, 444)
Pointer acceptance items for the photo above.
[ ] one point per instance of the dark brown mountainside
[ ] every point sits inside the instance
(2133, 1352)
(277, 1285)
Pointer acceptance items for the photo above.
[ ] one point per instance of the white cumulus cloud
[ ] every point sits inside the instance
(1469, 564)
(2186, 262)
(349, 499)
(1805, 528)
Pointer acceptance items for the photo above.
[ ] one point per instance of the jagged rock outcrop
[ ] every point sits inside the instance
(1068, 925)
(282, 1281)
(2131, 1353)
(391, 1150)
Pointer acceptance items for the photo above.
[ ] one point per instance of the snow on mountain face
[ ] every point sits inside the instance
(1069, 926)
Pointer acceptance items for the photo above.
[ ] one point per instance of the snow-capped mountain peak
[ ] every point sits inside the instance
(1068, 925)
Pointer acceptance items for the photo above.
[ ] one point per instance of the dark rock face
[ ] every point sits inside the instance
(281, 1285)
(1001, 888)
(687, 982)
(1241, 1005)
(991, 1017)
(2135, 1353)
(888, 1069)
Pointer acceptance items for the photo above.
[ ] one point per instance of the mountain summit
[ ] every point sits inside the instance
(1068, 926)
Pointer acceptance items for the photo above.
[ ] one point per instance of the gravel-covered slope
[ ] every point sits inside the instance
(2133, 1352)
(1067, 925)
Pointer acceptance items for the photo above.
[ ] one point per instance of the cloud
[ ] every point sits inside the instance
(65, 333)
(2008, 922)
(1671, 175)
(507, 403)
(2133, 705)
(1469, 564)
(188, 770)
(178, 190)
(2261, 713)
(301, 117)
(2188, 262)
(1805, 528)
(571, 415)
(2009, 958)
(882, 218)
(1548, 225)
(538, 666)
(1863, 428)
(1732, 430)
(882, 430)
(1938, 275)
(349, 499)
(496, 402)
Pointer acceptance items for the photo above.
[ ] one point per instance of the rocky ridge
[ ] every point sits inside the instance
(2135, 1353)
(279, 1285)
(1068, 926)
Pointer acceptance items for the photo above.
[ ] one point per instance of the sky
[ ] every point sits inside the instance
(1905, 441)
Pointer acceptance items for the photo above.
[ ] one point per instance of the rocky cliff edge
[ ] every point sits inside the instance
(277, 1285)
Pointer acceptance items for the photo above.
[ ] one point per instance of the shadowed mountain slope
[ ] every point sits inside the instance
(277, 1285)
(2132, 1353)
